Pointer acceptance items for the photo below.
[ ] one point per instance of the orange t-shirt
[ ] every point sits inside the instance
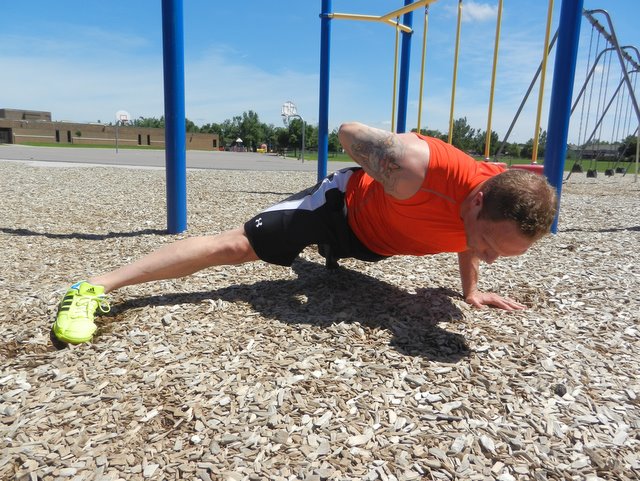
(428, 222)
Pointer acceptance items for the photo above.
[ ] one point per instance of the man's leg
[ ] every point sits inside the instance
(181, 258)
(75, 319)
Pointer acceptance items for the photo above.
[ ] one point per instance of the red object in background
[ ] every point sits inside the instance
(535, 168)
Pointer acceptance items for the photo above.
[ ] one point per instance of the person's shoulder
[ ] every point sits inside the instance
(490, 168)
(414, 141)
(412, 137)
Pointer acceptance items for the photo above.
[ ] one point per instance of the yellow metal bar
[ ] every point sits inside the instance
(487, 142)
(424, 56)
(545, 55)
(369, 18)
(398, 25)
(388, 19)
(455, 72)
(354, 16)
(395, 82)
(407, 8)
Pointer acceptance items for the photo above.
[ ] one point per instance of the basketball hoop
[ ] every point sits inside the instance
(289, 109)
(122, 116)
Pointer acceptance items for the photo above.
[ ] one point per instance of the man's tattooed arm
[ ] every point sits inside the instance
(378, 153)
(384, 156)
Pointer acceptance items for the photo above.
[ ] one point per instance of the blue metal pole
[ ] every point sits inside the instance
(405, 57)
(323, 114)
(561, 93)
(174, 117)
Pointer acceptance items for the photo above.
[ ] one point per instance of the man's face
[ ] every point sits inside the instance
(489, 240)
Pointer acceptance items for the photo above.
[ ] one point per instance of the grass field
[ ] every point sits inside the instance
(601, 166)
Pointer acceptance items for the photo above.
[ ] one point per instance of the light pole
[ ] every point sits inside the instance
(289, 110)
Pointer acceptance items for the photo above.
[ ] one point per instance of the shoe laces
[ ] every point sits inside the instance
(84, 304)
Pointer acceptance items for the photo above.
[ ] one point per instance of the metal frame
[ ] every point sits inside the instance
(326, 15)
(173, 59)
(175, 121)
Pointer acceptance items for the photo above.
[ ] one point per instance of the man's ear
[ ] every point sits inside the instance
(478, 198)
(476, 204)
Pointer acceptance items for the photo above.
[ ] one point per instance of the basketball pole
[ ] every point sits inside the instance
(174, 115)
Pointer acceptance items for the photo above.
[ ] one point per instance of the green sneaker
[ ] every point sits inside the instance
(74, 322)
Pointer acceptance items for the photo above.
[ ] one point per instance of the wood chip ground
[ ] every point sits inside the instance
(258, 372)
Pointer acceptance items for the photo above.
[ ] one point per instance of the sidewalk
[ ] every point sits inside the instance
(196, 159)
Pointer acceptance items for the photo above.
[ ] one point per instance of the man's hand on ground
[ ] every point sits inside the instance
(484, 299)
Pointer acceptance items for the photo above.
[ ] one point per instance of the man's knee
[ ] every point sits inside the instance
(234, 245)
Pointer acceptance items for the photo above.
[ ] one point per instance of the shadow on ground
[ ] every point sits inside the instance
(323, 297)
(76, 235)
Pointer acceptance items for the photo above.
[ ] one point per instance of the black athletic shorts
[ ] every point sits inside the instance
(317, 215)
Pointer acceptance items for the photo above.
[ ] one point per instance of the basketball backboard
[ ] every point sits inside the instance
(289, 109)
(122, 116)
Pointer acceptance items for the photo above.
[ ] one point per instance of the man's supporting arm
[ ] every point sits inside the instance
(469, 266)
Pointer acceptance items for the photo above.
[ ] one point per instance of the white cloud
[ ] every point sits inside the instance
(82, 90)
(218, 85)
(478, 12)
(474, 12)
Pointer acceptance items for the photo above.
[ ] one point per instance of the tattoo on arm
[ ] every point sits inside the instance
(379, 153)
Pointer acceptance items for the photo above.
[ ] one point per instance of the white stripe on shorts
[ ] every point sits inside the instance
(338, 180)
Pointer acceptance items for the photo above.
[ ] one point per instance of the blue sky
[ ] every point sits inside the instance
(83, 60)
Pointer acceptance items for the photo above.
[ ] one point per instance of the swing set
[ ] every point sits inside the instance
(595, 103)
(606, 60)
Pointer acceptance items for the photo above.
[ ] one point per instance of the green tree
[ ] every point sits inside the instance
(270, 136)
(231, 130)
(463, 135)
(215, 129)
(511, 150)
(480, 142)
(191, 126)
(311, 137)
(527, 149)
(149, 122)
(432, 133)
(153, 122)
(334, 142)
(295, 134)
(250, 130)
(282, 136)
(629, 146)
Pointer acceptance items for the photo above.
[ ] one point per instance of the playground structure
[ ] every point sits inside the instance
(562, 87)
(566, 40)
(591, 109)
(597, 83)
